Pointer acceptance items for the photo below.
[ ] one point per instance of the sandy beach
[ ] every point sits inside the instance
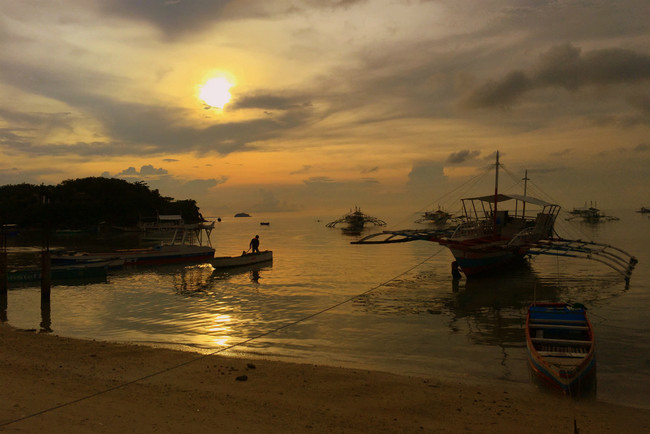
(56, 384)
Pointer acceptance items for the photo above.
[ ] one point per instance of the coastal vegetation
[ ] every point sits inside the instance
(88, 202)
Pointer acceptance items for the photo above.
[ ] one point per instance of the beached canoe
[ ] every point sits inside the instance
(560, 344)
(241, 260)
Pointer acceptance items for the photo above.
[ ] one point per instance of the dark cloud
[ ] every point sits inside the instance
(145, 170)
(180, 18)
(462, 156)
(643, 147)
(173, 18)
(566, 67)
(269, 102)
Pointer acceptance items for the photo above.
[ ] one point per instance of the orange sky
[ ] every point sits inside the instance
(333, 104)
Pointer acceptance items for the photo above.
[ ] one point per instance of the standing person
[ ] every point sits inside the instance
(255, 244)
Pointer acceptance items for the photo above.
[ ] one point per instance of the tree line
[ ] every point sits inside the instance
(88, 202)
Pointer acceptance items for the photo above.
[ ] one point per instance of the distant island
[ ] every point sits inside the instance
(242, 214)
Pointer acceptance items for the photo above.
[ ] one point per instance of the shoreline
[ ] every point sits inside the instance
(107, 387)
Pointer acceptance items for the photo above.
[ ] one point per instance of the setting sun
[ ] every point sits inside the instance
(216, 92)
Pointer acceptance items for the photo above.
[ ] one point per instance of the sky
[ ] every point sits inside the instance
(387, 105)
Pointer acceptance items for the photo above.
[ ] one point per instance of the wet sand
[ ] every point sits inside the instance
(55, 384)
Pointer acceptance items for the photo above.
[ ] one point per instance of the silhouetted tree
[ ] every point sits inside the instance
(86, 202)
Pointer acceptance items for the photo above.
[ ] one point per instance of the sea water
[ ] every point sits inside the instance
(393, 308)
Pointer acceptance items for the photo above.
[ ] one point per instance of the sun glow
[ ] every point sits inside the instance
(216, 92)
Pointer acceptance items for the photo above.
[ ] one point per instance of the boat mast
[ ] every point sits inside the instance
(523, 210)
(496, 193)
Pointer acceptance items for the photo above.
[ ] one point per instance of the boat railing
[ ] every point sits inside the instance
(472, 228)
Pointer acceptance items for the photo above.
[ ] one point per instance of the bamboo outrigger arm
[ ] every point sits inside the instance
(615, 258)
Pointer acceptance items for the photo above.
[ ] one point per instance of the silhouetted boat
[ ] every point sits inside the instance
(560, 346)
(590, 215)
(191, 244)
(492, 236)
(355, 221)
(241, 260)
(438, 218)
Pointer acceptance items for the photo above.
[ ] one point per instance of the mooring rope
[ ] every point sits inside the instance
(245, 341)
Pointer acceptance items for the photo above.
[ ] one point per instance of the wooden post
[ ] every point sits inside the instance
(3, 272)
(46, 276)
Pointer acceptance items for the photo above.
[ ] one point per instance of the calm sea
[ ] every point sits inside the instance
(393, 308)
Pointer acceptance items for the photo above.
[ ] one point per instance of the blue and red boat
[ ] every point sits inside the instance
(561, 346)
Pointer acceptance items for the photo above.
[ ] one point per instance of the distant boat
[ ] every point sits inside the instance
(241, 260)
(590, 215)
(242, 214)
(265, 223)
(192, 244)
(355, 221)
(644, 210)
(560, 346)
(438, 218)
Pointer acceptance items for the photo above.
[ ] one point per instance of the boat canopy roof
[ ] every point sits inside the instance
(505, 197)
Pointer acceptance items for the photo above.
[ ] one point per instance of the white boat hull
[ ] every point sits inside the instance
(244, 259)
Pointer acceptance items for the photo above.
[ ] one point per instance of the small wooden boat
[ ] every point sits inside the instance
(560, 344)
(64, 272)
(241, 260)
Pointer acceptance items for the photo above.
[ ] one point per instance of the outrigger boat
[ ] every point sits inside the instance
(560, 346)
(355, 221)
(503, 229)
(191, 243)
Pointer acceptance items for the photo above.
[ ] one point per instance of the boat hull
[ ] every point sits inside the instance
(474, 262)
(242, 260)
(154, 256)
(560, 347)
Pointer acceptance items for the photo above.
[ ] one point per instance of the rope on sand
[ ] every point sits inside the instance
(196, 359)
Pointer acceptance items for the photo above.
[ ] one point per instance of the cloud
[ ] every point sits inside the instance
(174, 19)
(566, 67)
(131, 128)
(304, 169)
(643, 147)
(425, 174)
(462, 156)
(269, 203)
(144, 171)
(260, 100)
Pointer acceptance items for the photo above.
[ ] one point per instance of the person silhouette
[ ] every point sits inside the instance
(255, 244)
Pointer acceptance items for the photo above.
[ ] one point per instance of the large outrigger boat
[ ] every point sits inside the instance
(503, 229)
